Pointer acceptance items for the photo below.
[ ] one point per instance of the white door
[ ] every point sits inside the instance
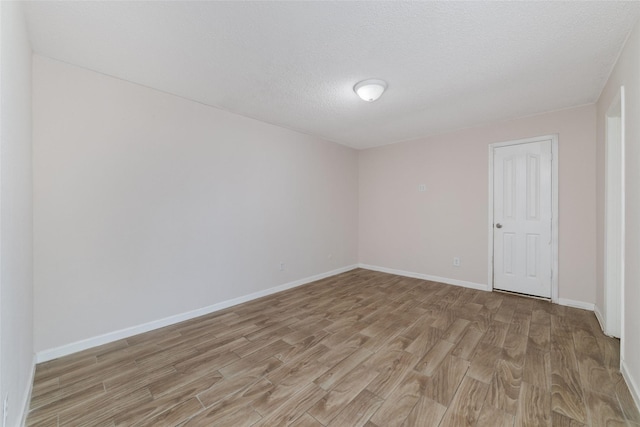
(522, 218)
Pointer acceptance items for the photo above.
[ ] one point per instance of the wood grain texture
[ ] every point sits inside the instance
(358, 411)
(534, 407)
(559, 420)
(623, 394)
(465, 407)
(567, 396)
(426, 412)
(442, 385)
(504, 390)
(430, 362)
(484, 361)
(342, 393)
(467, 344)
(396, 408)
(490, 416)
(359, 349)
(537, 368)
(604, 410)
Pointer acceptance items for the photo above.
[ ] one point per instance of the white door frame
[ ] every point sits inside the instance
(2, 392)
(554, 207)
(614, 219)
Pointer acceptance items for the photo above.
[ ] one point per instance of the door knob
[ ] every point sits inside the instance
(498, 225)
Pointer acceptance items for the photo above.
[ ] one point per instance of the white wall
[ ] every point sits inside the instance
(16, 277)
(147, 205)
(421, 232)
(627, 73)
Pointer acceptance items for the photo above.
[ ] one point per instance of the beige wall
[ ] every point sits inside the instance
(420, 232)
(147, 205)
(626, 73)
(16, 276)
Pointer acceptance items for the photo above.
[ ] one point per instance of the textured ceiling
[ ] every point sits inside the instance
(449, 65)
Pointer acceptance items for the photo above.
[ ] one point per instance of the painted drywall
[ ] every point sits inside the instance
(16, 275)
(402, 228)
(625, 73)
(295, 63)
(147, 205)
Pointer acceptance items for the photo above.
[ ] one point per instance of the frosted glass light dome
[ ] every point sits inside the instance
(370, 90)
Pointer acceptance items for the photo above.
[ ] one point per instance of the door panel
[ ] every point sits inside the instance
(508, 253)
(522, 208)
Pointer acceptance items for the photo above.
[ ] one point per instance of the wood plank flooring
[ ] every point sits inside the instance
(359, 349)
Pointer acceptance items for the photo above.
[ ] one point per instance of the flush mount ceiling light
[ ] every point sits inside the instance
(370, 90)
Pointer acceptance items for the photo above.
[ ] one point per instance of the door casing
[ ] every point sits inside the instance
(554, 207)
(614, 229)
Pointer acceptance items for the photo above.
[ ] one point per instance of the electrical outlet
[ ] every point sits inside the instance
(456, 261)
(422, 187)
(282, 266)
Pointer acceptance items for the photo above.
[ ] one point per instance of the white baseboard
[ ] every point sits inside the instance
(631, 384)
(26, 400)
(456, 282)
(576, 304)
(463, 283)
(599, 316)
(64, 350)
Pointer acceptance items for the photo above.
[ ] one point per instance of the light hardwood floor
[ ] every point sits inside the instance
(359, 349)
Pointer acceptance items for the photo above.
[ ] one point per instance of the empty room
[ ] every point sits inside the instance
(316, 213)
